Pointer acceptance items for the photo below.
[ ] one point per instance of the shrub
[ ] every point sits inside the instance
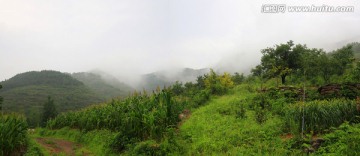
(121, 141)
(149, 147)
(343, 141)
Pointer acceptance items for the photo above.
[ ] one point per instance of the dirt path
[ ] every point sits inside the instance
(56, 146)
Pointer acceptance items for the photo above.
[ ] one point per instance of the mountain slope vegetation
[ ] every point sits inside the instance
(224, 114)
(105, 87)
(27, 92)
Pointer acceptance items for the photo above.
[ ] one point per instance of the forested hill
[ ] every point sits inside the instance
(27, 92)
(107, 88)
(45, 77)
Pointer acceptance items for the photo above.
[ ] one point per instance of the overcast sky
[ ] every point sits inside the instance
(132, 37)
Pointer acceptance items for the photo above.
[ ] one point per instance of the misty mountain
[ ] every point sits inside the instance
(166, 78)
(27, 92)
(103, 84)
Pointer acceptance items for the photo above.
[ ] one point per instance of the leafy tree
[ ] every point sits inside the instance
(316, 63)
(177, 88)
(189, 85)
(237, 78)
(49, 111)
(201, 81)
(326, 67)
(343, 58)
(281, 60)
(257, 71)
(226, 81)
(218, 84)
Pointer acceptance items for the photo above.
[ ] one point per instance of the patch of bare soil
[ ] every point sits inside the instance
(56, 146)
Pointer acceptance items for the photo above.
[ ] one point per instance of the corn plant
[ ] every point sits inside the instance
(13, 134)
(137, 117)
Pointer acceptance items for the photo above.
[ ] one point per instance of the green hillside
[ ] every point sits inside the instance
(27, 92)
(274, 111)
(106, 88)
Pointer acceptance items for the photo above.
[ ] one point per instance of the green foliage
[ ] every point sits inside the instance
(321, 115)
(177, 88)
(216, 129)
(355, 73)
(35, 149)
(343, 141)
(45, 77)
(218, 84)
(260, 115)
(148, 147)
(13, 135)
(281, 60)
(237, 78)
(138, 117)
(1, 100)
(105, 88)
(201, 82)
(25, 93)
(343, 57)
(121, 141)
(49, 111)
(261, 105)
(311, 64)
(96, 142)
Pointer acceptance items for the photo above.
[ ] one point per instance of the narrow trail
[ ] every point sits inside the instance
(59, 146)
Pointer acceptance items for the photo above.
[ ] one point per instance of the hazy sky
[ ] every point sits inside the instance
(132, 37)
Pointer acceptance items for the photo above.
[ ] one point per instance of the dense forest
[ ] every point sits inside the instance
(297, 101)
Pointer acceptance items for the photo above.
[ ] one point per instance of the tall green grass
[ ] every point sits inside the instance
(13, 134)
(322, 114)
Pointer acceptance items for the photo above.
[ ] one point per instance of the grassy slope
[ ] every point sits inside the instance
(215, 129)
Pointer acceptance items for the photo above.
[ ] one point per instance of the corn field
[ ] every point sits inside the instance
(321, 115)
(139, 116)
(13, 134)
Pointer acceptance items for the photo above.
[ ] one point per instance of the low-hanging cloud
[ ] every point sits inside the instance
(134, 37)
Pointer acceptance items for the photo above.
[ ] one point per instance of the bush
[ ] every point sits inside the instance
(201, 97)
(148, 147)
(343, 141)
(121, 142)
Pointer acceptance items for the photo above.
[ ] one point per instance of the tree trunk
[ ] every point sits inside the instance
(283, 79)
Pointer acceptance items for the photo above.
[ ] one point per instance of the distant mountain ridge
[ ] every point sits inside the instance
(166, 78)
(107, 87)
